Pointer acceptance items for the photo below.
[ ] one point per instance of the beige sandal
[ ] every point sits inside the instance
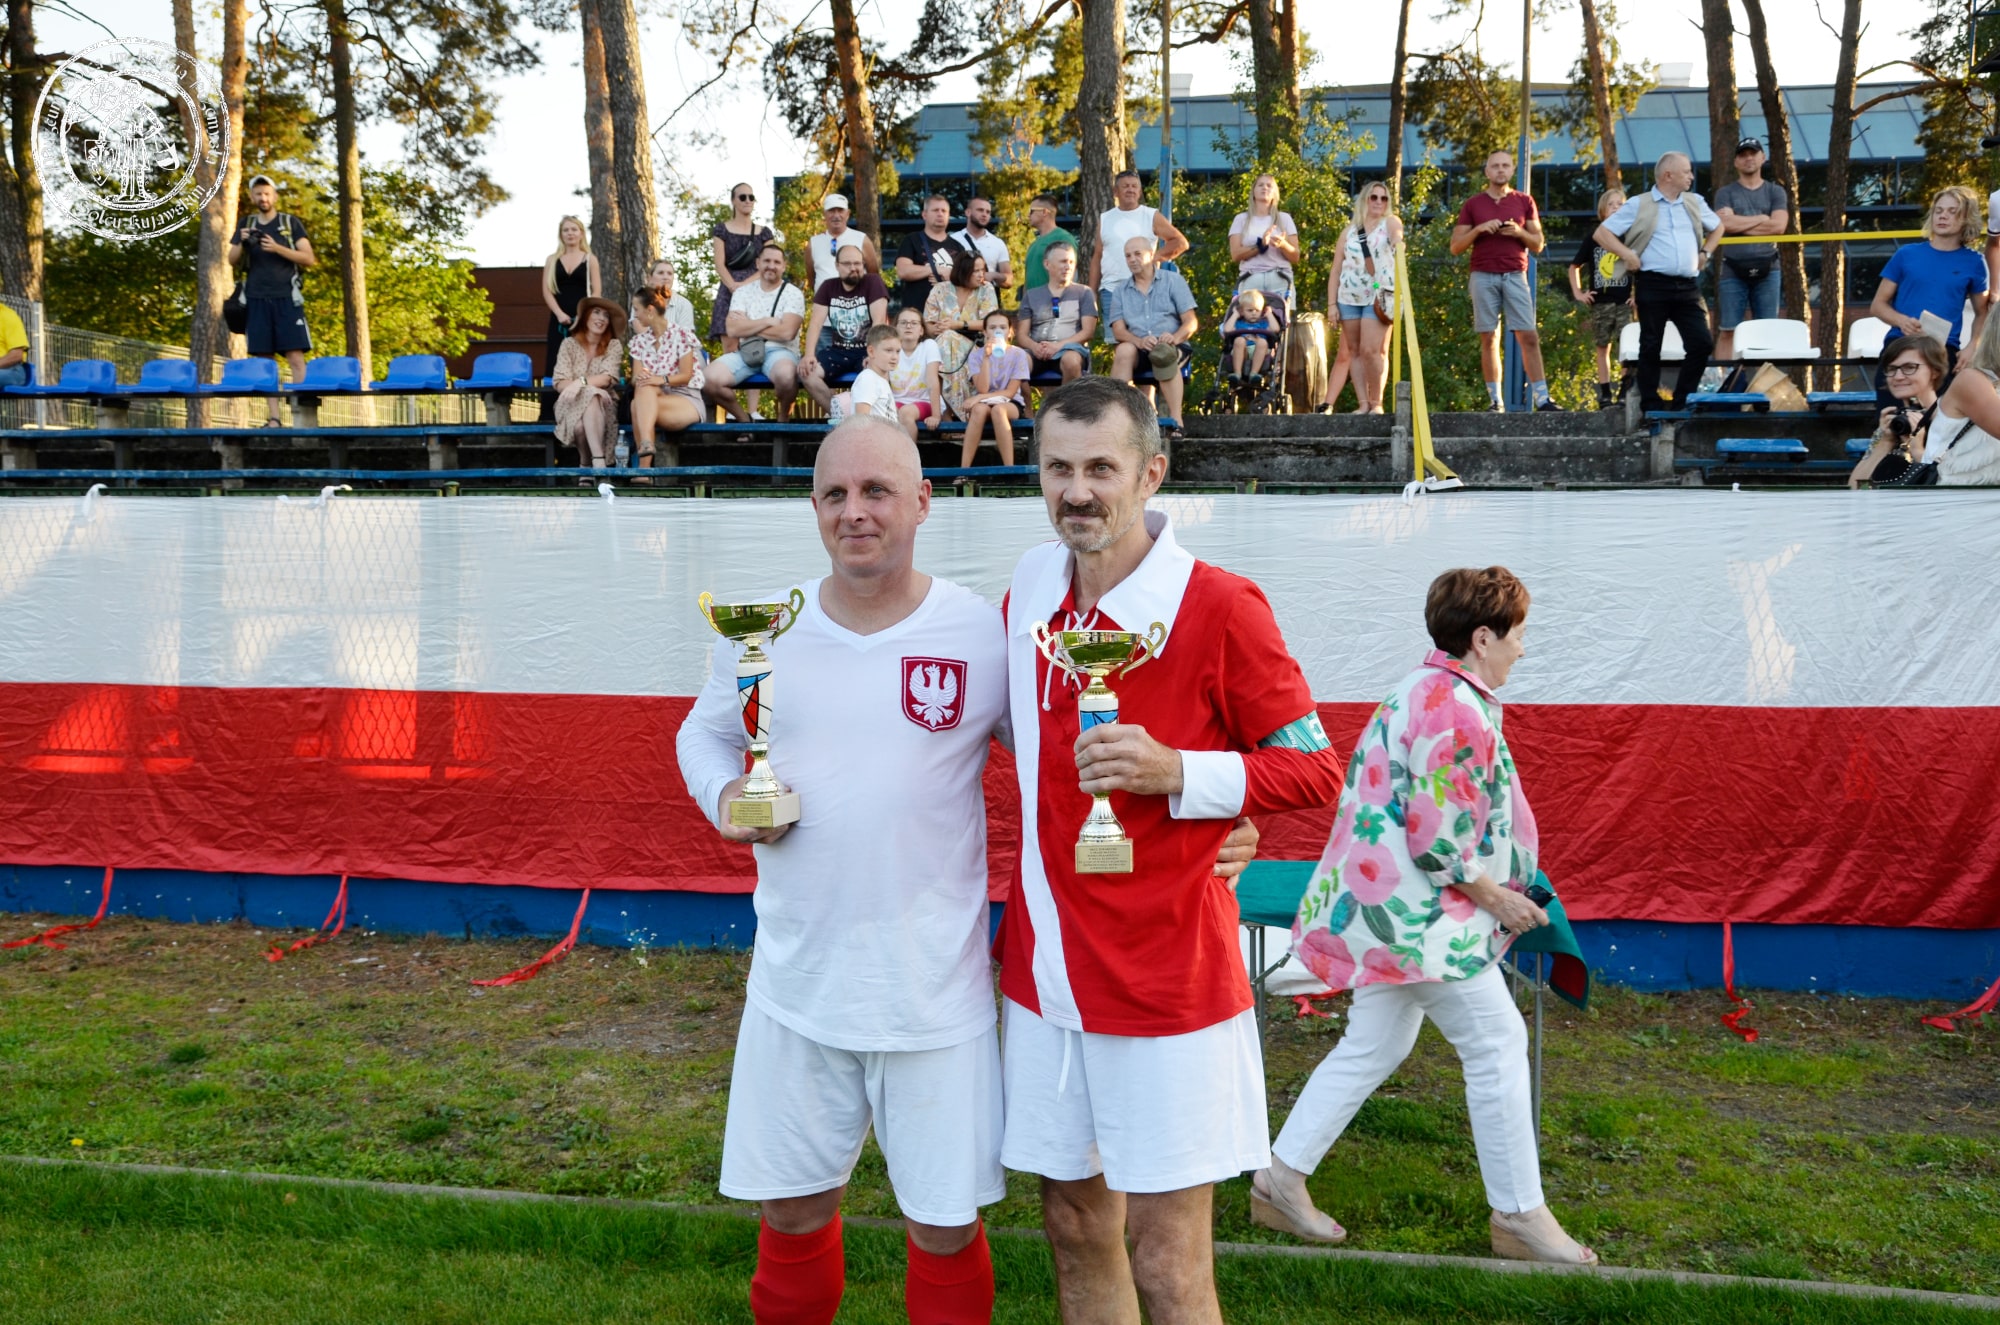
(1271, 1208)
(1534, 1235)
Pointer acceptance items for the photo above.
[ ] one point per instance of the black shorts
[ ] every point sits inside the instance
(840, 360)
(276, 326)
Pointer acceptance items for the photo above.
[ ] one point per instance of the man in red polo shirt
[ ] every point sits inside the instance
(1501, 227)
(1133, 1073)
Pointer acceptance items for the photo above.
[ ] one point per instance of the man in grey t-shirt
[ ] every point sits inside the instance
(1748, 282)
(1057, 318)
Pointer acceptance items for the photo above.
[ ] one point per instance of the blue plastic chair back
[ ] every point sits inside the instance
(90, 375)
(501, 371)
(249, 375)
(333, 372)
(415, 372)
(167, 375)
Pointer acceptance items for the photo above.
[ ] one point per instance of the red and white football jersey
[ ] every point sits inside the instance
(872, 917)
(1153, 952)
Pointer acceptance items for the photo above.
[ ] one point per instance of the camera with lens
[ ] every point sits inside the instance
(1900, 425)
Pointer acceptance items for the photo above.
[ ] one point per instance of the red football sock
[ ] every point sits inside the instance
(950, 1290)
(799, 1276)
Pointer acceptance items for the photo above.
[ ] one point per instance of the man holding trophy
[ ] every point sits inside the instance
(867, 698)
(1152, 702)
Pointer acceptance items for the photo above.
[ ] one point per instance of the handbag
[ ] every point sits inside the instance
(1750, 270)
(236, 308)
(1384, 302)
(750, 349)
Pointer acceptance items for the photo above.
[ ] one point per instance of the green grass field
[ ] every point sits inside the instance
(78, 1247)
(1849, 1144)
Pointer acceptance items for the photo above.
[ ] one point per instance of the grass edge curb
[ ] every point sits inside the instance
(1246, 1249)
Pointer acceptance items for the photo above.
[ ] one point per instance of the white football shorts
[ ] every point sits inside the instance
(799, 1111)
(1150, 1113)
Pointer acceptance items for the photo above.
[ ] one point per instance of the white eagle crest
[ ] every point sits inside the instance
(932, 695)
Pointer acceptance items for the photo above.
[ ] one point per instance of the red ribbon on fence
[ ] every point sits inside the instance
(1734, 1019)
(48, 936)
(1306, 1008)
(336, 916)
(1973, 1011)
(534, 968)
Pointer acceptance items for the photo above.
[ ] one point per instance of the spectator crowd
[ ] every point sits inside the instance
(950, 327)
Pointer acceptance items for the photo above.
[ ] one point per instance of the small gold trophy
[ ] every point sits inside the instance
(764, 802)
(1102, 847)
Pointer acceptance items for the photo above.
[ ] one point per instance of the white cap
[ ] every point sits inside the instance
(834, 200)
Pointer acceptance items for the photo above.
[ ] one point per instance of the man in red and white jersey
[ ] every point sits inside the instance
(1134, 1076)
(870, 996)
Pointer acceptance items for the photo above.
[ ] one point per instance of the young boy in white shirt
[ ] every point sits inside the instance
(871, 392)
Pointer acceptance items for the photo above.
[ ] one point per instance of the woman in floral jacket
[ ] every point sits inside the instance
(1418, 897)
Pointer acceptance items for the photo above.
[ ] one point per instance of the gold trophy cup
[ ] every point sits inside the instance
(1102, 847)
(764, 801)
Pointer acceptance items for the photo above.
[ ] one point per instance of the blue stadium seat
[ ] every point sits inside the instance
(1714, 400)
(1760, 448)
(329, 374)
(1822, 400)
(164, 377)
(415, 372)
(1858, 446)
(80, 377)
(246, 377)
(500, 372)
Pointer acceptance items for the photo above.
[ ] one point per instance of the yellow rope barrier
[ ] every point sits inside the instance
(1427, 463)
(1824, 239)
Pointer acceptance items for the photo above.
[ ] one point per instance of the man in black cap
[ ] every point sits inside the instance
(1748, 284)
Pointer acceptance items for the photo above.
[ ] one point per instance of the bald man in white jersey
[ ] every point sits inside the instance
(870, 998)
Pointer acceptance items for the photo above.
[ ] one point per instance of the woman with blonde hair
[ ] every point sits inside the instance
(1264, 243)
(1939, 276)
(568, 278)
(1359, 290)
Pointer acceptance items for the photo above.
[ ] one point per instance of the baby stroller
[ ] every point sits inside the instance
(1262, 392)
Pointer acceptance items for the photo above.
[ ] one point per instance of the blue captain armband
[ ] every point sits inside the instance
(1303, 734)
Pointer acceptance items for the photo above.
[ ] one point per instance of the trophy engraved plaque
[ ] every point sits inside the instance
(1102, 847)
(764, 801)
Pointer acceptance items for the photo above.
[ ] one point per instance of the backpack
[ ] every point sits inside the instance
(236, 308)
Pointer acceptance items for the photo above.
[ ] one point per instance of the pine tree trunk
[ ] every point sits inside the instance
(1718, 31)
(631, 148)
(857, 118)
(1600, 95)
(605, 240)
(22, 89)
(347, 189)
(1782, 169)
(1399, 96)
(1100, 114)
(1275, 82)
(208, 336)
(1831, 331)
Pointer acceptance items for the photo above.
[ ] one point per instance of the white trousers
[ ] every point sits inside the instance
(1478, 1016)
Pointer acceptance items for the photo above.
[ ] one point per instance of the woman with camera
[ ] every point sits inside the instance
(1420, 893)
(1912, 370)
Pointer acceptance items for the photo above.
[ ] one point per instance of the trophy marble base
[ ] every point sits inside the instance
(1104, 857)
(770, 812)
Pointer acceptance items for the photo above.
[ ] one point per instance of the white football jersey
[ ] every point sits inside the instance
(871, 911)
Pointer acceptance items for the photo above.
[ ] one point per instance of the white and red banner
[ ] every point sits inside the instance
(1779, 707)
